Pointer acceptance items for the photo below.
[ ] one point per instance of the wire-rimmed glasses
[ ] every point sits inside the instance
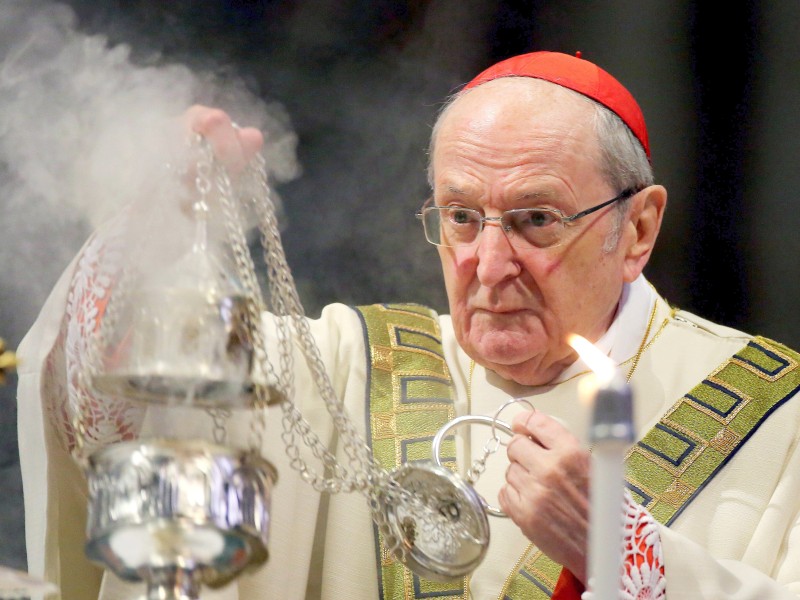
(537, 227)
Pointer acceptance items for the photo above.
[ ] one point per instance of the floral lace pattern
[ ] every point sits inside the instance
(106, 419)
(642, 576)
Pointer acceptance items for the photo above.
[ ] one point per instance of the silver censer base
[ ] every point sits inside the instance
(178, 515)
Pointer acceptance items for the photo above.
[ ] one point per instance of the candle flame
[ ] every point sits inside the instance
(598, 362)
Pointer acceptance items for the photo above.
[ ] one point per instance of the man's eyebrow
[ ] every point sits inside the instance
(538, 196)
(455, 191)
(534, 197)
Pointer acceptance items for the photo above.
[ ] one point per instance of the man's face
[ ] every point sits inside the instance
(520, 143)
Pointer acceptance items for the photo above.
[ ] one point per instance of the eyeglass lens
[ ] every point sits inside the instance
(459, 226)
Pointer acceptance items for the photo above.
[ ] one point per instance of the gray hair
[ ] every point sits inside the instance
(623, 162)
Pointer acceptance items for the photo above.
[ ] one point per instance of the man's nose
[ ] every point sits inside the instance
(497, 260)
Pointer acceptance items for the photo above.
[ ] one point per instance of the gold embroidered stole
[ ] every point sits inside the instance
(409, 398)
(696, 438)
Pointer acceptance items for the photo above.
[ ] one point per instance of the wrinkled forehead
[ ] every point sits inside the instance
(514, 138)
(526, 112)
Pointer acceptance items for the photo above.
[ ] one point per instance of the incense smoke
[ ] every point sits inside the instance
(84, 124)
(84, 131)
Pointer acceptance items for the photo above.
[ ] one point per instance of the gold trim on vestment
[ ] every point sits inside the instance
(694, 440)
(409, 398)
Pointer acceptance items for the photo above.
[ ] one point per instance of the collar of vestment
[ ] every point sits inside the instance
(623, 338)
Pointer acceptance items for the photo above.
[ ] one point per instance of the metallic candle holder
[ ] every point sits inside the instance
(178, 515)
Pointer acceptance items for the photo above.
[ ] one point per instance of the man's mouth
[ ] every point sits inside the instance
(502, 310)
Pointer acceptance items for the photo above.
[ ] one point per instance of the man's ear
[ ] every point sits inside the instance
(642, 227)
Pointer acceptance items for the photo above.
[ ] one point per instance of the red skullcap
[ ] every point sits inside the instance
(577, 74)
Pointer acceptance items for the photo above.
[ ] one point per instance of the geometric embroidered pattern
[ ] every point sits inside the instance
(701, 432)
(697, 436)
(409, 398)
(766, 359)
(536, 578)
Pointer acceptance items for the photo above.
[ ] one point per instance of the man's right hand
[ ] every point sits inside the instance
(234, 146)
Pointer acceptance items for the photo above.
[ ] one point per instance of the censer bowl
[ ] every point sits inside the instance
(183, 347)
(440, 550)
(178, 514)
(196, 390)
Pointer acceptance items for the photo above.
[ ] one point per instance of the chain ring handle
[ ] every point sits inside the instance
(469, 419)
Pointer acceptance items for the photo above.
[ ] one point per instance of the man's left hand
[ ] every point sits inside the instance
(547, 489)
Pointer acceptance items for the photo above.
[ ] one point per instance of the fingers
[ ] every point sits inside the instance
(525, 451)
(546, 489)
(546, 449)
(536, 433)
(545, 457)
(509, 498)
(232, 145)
(251, 140)
(519, 477)
(540, 427)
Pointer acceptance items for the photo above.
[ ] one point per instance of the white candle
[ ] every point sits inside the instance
(610, 434)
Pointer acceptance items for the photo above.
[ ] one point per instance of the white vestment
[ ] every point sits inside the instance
(739, 538)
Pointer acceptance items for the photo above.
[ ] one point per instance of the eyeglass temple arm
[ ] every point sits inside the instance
(623, 196)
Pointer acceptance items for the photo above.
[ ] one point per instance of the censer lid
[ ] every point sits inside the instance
(441, 525)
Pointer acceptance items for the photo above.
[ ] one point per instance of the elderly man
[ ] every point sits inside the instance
(544, 213)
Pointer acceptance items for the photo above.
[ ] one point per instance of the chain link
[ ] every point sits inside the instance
(478, 467)
(364, 474)
(361, 472)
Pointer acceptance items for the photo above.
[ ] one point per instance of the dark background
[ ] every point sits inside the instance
(361, 81)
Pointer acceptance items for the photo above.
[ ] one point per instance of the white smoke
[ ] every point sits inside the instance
(84, 130)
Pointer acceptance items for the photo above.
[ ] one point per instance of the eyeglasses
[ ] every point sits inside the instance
(452, 226)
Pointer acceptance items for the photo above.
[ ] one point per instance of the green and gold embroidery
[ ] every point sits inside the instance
(672, 463)
(410, 397)
(689, 445)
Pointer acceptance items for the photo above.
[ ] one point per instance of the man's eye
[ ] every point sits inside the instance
(535, 218)
(460, 216)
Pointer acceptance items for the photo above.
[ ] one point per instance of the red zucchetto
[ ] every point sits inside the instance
(577, 74)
